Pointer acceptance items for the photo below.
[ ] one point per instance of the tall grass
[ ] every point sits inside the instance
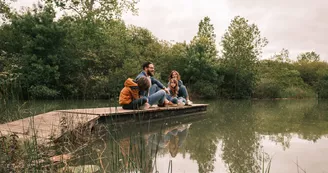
(118, 154)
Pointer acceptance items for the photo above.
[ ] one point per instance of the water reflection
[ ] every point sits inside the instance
(171, 139)
(234, 137)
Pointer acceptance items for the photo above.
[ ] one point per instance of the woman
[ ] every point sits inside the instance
(182, 89)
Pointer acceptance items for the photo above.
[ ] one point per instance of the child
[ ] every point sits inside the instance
(129, 96)
(173, 93)
(182, 92)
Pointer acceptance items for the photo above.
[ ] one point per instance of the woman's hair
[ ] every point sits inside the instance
(143, 83)
(176, 88)
(171, 75)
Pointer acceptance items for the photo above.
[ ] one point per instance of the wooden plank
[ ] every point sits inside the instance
(120, 111)
(48, 125)
(53, 125)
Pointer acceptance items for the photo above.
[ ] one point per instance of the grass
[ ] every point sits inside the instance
(33, 156)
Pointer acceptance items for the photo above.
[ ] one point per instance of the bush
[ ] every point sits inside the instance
(296, 92)
(322, 88)
(267, 89)
(204, 89)
(42, 92)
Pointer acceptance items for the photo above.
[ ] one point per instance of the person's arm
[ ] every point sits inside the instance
(158, 83)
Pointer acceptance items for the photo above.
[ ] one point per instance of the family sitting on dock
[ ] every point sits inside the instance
(146, 91)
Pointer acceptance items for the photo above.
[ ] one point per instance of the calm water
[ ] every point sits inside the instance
(233, 136)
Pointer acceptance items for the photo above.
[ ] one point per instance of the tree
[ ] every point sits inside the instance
(5, 11)
(32, 42)
(200, 69)
(308, 57)
(308, 65)
(97, 9)
(282, 56)
(242, 46)
(203, 43)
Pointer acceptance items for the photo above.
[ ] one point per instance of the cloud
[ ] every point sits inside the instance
(296, 25)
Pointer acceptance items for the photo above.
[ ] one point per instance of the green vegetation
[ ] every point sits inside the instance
(89, 52)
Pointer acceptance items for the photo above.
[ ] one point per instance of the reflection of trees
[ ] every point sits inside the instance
(240, 143)
(202, 141)
(201, 144)
(241, 148)
(281, 119)
(282, 138)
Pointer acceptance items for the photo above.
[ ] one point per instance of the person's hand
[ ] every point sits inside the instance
(166, 90)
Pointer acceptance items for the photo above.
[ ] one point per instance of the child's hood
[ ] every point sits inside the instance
(130, 82)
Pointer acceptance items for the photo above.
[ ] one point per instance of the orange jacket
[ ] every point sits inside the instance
(129, 93)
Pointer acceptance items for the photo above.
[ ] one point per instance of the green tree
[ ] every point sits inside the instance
(308, 57)
(203, 44)
(33, 43)
(279, 77)
(95, 9)
(242, 45)
(200, 68)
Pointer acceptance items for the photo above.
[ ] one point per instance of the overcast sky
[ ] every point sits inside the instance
(297, 25)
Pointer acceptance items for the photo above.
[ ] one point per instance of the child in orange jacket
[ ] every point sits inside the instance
(130, 97)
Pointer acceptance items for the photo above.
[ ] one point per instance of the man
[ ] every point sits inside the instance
(156, 87)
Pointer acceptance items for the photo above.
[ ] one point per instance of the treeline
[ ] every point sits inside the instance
(88, 52)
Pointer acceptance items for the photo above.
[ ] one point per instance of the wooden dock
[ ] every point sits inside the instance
(52, 125)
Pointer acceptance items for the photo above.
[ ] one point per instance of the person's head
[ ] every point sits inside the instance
(143, 83)
(174, 86)
(173, 83)
(149, 68)
(175, 74)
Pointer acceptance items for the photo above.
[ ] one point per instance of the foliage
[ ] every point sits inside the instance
(242, 45)
(95, 9)
(89, 52)
(308, 57)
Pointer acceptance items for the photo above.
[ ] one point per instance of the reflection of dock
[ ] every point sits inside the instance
(53, 125)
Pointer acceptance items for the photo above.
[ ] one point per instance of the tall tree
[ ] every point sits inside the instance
(242, 46)
(201, 54)
(203, 44)
(100, 9)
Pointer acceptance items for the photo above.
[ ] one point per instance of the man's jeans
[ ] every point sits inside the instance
(157, 97)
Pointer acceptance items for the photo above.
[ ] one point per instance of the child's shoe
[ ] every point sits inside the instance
(181, 103)
(189, 103)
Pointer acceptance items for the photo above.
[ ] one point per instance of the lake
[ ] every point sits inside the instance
(232, 136)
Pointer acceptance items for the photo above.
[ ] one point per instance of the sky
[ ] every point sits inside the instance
(296, 25)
